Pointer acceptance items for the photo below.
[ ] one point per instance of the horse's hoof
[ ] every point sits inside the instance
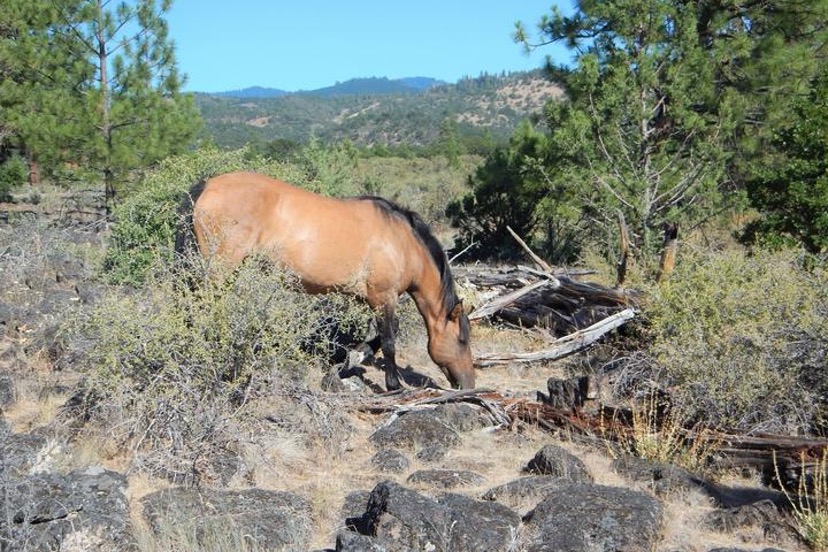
(393, 386)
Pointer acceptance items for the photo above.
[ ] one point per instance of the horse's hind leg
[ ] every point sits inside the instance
(372, 343)
(387, 326)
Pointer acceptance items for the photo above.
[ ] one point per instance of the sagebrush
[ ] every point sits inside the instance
(173, 374)
(742, 339)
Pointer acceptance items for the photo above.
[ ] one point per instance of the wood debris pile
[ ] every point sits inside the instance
(569, 314)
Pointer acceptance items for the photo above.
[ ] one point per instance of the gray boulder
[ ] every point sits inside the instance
(399, 519)
(756, 522)
(390, 460)
(524, 493)
(580, 517)
(354, 505)
(18, 453)
(436, 428)
(349, 541)
(446, 479)
(418, 428)
(557, 461)
(256, 518)
(7, 390)
(480, 525)
(662, 479)
(84, 510)
(462, 417)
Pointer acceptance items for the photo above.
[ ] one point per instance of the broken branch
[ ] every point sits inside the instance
(564, 346)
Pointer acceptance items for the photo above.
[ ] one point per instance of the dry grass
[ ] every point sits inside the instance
(683, 514)
(810, 503)
(94, 449)
(216, 537)
(28, 414)
(39, 395)
(175, 536)
(323, 470)
(661, 437)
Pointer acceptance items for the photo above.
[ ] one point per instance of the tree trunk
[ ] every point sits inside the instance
(34, 171)
(668, 252)
(106, 125)
(625, 252)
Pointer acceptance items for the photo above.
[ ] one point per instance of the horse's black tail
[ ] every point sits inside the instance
(185, 243)
(185, 239)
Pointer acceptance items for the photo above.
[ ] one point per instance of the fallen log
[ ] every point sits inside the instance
(538, 261)
(555, 301)
(504, 301)
(561, 347)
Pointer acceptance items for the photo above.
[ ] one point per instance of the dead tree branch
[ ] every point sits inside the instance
(561, 347)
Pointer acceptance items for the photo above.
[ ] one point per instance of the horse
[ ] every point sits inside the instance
(364, 246)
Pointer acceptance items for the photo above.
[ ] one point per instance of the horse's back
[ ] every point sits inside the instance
(329, 243)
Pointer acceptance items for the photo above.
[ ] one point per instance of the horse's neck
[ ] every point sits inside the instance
(427, 295)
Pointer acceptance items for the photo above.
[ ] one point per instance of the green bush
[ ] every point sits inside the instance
(13, 173)
(511, 189)
(743, 340)
(330, 170)
(422, 184)
(789, 186)
(175, 374)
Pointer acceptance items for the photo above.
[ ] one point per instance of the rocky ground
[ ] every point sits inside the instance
(427, 475)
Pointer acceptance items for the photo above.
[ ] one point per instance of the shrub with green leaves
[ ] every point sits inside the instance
(743, 339)
(13, 173)
(146, 221)
(175, 373)
(789, 187)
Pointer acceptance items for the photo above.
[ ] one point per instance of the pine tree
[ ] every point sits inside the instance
(641, 133)
(137, 106)
(506, 192)
(40, 82)
(92, 84)
(448, 142)
(676, 108)
(774, 52)
(768, 53)
(791, 187)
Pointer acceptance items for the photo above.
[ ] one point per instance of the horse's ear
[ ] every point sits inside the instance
(456, 311)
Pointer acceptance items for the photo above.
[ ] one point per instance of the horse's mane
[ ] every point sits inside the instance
(424, 235)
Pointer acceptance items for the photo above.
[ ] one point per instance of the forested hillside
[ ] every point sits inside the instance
(487, 108)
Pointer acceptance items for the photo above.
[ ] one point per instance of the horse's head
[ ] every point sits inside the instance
(449, 347)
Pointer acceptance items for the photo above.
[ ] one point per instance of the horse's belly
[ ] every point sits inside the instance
(322, 272)
(368, 276)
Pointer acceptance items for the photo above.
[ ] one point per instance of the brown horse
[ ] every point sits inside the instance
(364, 246)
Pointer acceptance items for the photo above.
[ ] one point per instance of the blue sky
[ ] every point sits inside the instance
(308, 44)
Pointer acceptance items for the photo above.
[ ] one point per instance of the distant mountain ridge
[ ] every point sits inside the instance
(381, 112)
(252, 92)
(369, 86)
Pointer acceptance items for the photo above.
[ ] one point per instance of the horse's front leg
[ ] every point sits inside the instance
(387, 326)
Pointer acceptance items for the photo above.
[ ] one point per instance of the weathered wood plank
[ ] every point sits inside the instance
(563, 346)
